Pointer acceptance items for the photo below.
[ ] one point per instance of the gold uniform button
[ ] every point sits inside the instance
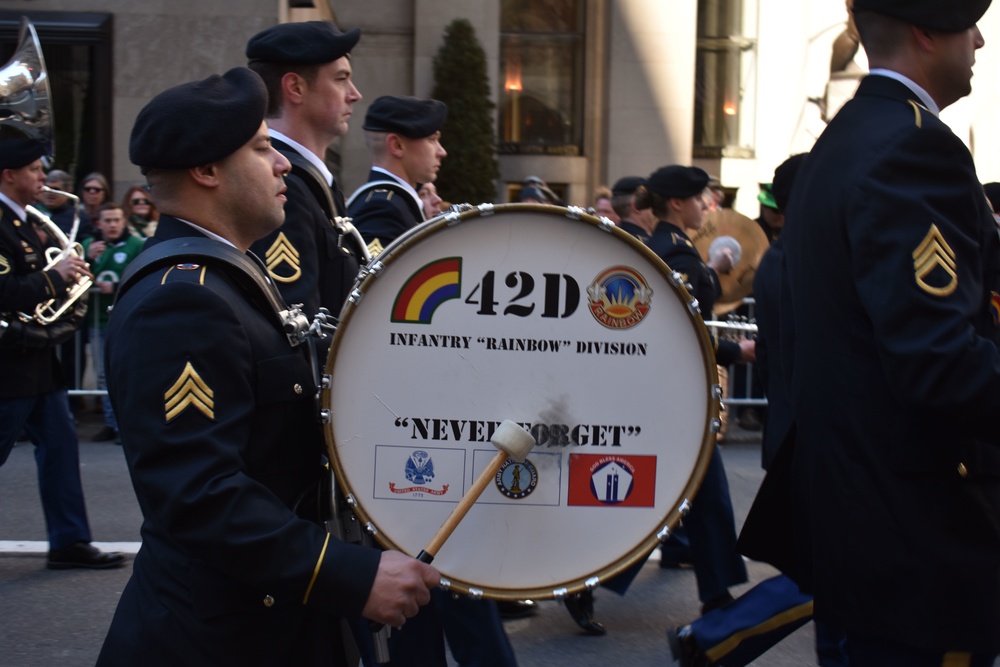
(268, 601)
(962, 470)
(297, 388)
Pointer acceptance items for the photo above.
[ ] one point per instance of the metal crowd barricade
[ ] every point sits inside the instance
(741, 328)
(79, 345)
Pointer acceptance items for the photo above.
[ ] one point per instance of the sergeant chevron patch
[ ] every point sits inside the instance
(375, 247)
(283, 252)
(189, 391)
(934, 264)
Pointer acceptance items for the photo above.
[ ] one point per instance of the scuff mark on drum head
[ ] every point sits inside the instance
(385, 405)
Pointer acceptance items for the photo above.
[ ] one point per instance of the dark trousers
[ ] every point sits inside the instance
(711, 530)
(47, 420)
(760, 618)
(869, 652)
(473, 629)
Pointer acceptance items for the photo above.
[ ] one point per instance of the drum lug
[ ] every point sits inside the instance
(452, 218)
(560, 593)
(371, 529)
(716, 426)
(486, 209)
(664, 534)
(325, 381)
(592, 583)
(575, 212)
(606, 224)
(717, 392)
(324, 416)
(445, 584)
(355, 297)
(694, 307)
(685, 507)
(476, 593)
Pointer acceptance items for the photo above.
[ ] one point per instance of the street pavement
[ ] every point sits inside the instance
(59, 618)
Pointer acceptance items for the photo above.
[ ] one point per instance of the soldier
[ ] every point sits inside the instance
(892, 354)
(218, 418)
(315, 256)
(33, 394)
(403, 135)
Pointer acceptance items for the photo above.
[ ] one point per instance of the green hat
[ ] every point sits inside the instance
(766, 196)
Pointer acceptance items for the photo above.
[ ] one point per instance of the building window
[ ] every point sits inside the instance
(541, 70)
(76, 47)
(725, 74)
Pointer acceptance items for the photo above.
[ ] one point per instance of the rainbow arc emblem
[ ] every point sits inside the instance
(426, 289)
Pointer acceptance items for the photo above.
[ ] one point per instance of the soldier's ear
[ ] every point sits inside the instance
(395, 145)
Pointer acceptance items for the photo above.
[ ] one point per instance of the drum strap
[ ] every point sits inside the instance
(245, 269)
(331, 200)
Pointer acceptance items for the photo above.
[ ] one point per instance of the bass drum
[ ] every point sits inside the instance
(554, 319)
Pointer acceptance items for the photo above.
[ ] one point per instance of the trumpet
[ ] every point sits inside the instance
(49, 311)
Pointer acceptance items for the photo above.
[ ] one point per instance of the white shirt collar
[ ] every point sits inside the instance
(211, 235)
(409, 188)
(17, 208)
(924, 96)
(306, 153)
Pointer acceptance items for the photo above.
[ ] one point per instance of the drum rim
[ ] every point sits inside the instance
(465, 213)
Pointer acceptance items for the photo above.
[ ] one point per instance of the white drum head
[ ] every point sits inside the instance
(547, 317)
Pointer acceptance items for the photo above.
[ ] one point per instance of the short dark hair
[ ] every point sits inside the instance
(272, 74)
(880, 34)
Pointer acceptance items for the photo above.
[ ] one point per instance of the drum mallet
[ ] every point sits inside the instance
(511, 441)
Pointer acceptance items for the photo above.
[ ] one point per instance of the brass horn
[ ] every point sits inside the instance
(24, 90)
(25, 107)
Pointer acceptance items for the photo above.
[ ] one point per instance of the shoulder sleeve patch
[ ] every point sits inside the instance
(934, 266)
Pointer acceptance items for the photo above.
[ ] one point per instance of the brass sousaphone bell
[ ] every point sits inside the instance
(25, 106)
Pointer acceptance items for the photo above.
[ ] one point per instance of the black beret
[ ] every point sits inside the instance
(627, 185)
(784, 177)
(199, 122)
(943, 15)
(677, 182)
(307, 43)
(992, 191)
(409, 116)
(18, 151)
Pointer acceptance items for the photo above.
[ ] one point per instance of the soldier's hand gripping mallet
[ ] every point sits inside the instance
(511, 441)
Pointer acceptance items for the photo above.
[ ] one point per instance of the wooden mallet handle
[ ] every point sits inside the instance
(463, 507)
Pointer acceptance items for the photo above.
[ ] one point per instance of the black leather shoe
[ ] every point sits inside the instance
(517, 608)
(106, 434)
(85, 555)
(685, 649)
(581, 607)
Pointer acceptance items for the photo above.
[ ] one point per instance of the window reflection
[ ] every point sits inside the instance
(541, 56)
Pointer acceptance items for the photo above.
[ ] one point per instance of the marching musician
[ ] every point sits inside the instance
(306, 66)
(403, 135)
(674, 194)
(890, 342)
(33, 395)
(218, 415)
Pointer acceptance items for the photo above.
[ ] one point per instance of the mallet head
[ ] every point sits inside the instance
(513, 440)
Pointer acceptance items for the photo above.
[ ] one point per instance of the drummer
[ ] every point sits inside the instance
(674, 195)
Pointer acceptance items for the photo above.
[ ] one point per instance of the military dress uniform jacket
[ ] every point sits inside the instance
(894, 273)
(769, 362)
(307, 257)
(674, 247)
(23, 285)
(221, 437)
(383, 213)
